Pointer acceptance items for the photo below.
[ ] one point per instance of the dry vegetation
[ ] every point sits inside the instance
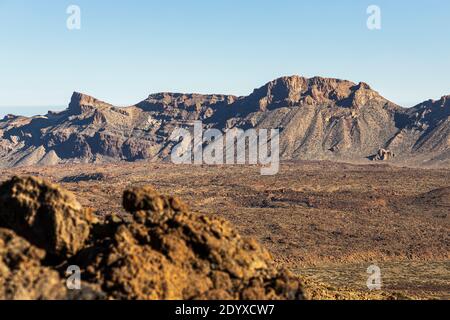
(323, 219)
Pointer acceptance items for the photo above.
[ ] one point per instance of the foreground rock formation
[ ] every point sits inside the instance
(21, 274)
(163, 251)
(158, 250)
(319, 119)
(46, 215)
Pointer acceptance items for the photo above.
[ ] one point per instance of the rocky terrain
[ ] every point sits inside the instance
(362, 181)
(164, 252)
(158, 250)
(325, 222)
(319, 119)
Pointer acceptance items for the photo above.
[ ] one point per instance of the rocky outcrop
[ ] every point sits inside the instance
(432, 119)
(163, 251)
(383, 155)
(296, 91)
(81, 103)
(22, 277)
(168, 252)
(44, 214)
(25, 275)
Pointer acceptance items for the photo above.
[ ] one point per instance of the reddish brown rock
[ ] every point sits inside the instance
(21, 275)
(160, 250)
(171, 253)
(44, 214)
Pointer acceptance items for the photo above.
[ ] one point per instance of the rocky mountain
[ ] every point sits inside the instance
(319, 118)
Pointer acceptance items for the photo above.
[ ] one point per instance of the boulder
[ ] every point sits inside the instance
(21, 275)
(44, 214)
(383, 155)
(167, 252)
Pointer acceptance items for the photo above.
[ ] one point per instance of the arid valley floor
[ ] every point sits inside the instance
(325, 220)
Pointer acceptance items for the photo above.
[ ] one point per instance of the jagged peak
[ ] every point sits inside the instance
(80, 103)
(297, 90)
(444, 101)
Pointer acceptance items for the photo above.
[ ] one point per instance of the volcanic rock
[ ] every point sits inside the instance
(163, 252)
(168, 252)
(21, 275)
(157, 250)
(44, 214)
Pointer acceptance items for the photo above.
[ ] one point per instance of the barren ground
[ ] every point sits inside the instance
(326, 220)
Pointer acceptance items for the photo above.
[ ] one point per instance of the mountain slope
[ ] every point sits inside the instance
(319, 118)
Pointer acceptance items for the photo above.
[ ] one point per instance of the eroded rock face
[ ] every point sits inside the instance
(319, 119)
(44, 214)
(383, 155)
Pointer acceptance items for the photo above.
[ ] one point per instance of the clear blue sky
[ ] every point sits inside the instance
(126, 50)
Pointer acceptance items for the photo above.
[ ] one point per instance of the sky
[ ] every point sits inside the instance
(126, 50)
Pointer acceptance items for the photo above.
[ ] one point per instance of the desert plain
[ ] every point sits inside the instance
(325, 221)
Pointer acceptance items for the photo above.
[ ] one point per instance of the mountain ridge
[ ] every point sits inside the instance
(319, 119)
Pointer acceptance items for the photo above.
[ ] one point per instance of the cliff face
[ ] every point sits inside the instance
(319, 118)
(295, 91)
